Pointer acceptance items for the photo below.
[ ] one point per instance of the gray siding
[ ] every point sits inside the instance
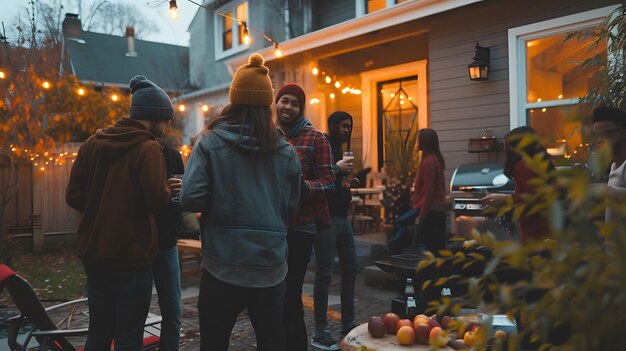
(459, 108)
(330, 12)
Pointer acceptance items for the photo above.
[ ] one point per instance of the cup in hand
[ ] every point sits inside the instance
(175, 197)
(348, 156)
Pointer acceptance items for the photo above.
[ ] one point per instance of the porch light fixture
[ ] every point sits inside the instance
(479, 69)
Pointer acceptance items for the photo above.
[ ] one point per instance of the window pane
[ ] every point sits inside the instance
(228, 22)
(242, 11)
(375, 5)
(551, 67)
(227, 40)
(567, 130)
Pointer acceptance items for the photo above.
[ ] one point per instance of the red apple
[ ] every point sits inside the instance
(422, 331)
(445, 322)
(406, 335)
(391, 320)
(404, 323)
(433, 323)
(376, 327)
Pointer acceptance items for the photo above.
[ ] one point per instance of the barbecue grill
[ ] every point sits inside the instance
(470, 182)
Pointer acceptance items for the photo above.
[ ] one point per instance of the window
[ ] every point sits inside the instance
(375, 5)
(545, 82)
(229, 32)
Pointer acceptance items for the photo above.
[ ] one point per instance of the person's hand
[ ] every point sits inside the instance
(174, 184)
(346, 166)
(493, 200)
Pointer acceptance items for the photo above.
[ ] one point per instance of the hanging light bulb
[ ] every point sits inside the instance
(2, 75)
(246, 34)
(337, 85)
(315, 71)
(173, 10)
(328, 80)
(45, 84)
(205, 107)
(277, 50)
(332, 95)
(114, 97)
(181, 108)
(81, 91)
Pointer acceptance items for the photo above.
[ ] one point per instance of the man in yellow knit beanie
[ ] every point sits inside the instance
(245, 179)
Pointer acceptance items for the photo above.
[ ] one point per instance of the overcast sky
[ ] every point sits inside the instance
(171, 32)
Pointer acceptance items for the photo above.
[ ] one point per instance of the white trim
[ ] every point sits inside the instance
(400, 13)
(359, 8)
(517, 57)
(202, 92)
(369, 95)
(217, 30)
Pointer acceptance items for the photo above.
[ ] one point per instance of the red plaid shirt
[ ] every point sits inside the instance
(316, 159)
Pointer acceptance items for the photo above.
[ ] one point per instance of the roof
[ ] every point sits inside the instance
(101, 58)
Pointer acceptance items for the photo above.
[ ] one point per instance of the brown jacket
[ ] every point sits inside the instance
(117, 182)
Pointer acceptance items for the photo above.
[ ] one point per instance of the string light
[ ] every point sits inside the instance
(246, 34)
(332, 95)
(181, 108)
(114, 97)
(205, 107)
(560, 96)
(315, 71)
(2, 75)
(46, 84)
(173, 10)
(314, 101)
(328, 80)
(277, 50)
(81, 91)
(337, 85)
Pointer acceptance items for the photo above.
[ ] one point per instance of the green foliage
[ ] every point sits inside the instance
(401, 167)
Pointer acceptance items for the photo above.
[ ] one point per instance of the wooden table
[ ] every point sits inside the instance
(189, 250)
(362, 193)
(359, 338)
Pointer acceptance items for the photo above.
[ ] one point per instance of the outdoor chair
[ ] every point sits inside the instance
(47, 334)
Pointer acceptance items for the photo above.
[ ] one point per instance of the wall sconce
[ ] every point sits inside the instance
(479, 69)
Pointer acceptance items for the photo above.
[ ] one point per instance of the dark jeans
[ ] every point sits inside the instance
(118, 307)
(219, 303)
(166, 272)
(432, 233)
(300, 247)
(336, 240)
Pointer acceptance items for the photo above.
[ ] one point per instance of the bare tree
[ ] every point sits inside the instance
(110, 17)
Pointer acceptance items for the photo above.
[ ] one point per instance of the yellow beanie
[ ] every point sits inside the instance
(251, 84)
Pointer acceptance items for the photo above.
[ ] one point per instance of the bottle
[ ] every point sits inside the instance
(409, 295)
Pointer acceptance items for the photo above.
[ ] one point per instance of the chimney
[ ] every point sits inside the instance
(71, 26)
(130, 41)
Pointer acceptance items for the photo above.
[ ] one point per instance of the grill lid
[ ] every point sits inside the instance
(481, 177)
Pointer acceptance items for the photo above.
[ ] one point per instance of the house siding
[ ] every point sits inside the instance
(331, 12)
(459, 108)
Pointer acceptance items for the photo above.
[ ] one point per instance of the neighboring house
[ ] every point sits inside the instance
(407, 63)
(109, 60)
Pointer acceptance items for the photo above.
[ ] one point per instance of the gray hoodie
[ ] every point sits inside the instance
(246, 202)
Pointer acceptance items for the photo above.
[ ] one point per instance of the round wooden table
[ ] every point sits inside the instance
(359, 339)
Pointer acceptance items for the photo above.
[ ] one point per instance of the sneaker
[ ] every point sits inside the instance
(324, 341)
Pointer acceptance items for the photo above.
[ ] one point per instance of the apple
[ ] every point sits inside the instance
(500, 335)
(376, 327)
(438, 337)
(469, 338)
(433, 323)
(420, 319)
(391, 320)
(445, 322)
(406, 335)
(422, 332)
(404, 322)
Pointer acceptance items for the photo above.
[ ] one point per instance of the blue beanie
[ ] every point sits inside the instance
(148, 101)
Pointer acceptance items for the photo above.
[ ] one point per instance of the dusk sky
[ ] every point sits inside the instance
(172, 32)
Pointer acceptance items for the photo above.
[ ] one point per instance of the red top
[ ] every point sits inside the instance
(536, 226)
(430, 188)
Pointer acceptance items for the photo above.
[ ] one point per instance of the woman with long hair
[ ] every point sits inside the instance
(245, 180)
(429, 192)
(532, 226)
